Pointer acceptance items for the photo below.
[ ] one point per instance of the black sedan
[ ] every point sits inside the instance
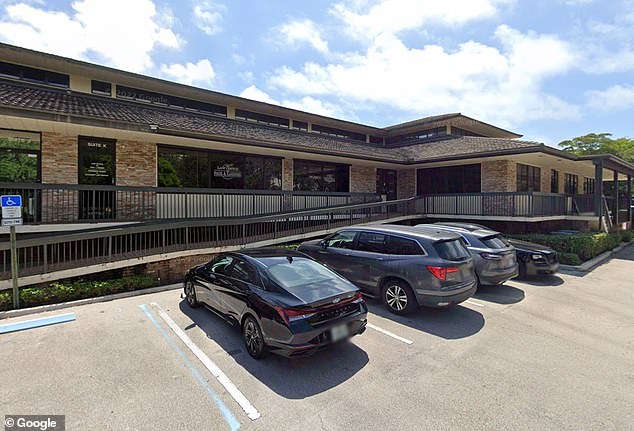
(282, 300)
(535, 259)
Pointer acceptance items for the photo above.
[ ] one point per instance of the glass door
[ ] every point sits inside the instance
(386, 183)
(97, 168)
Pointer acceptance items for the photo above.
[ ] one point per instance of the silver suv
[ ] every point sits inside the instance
(404, 266)
(495, 259)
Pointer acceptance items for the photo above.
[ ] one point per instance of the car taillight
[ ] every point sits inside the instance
(357, 297)
(289, 314)
(440, 272)
(490, 256)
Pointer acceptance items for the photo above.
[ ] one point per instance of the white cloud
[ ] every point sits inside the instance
(612, 98)
(366, 20)
(208, 16)
(500, 85)
(306, 103)
(201, 72)
(294, 33)
(97, 30)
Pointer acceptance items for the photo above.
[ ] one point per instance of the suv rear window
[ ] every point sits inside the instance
(495, 241)
(403, 246)
(451, 250)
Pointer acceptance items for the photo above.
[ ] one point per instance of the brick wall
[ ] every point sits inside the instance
(136, 164)
(287, 174)
(362, 179)
(173, 270)
(405, 183)
(545, 180)
(59, 166)
(59, 158)
(499, 176)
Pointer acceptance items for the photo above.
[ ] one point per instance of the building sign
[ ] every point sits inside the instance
(228, 171)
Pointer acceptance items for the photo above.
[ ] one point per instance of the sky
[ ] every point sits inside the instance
(547, 69)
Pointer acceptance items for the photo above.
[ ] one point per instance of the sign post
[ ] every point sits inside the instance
(12, 217)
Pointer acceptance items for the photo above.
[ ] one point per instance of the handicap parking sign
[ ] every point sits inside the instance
(9, 201)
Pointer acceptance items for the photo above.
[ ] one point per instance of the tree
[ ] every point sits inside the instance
(600, 143)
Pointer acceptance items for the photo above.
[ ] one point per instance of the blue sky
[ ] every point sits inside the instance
(548, 69)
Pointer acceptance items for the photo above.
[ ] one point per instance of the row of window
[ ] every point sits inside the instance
(30, 74)
(422, 135)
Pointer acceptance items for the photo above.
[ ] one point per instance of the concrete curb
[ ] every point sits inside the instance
(591, 264)
(53, 307)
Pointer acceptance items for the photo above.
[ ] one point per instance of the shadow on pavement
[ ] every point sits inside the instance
(548, 280)
(503, 294)
(291, 378)
(450, 323)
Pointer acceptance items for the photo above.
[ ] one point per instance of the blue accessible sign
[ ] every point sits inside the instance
(11, 201)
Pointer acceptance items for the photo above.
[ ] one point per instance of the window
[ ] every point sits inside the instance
(101, 88)
(372, 242)
(242, 271)
(453, 250)
(130, 93)
(338, 133)
(320, 176)
(588, 185)
(300, 125)
(404, 246)
(221, 265)
(570, 184)
(554, 181)
(450, 179)
(31, 74)
(411, 138)
(528, 178)
(457, 131)
(495, 241)
(377, 140)
(295, 272)
(193, 168)
(19, 157)
(255, 117)
(343, 239)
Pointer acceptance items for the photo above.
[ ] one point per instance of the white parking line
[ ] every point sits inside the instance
(246, 405)
(477, 304)
(390, 334)
(472, 302)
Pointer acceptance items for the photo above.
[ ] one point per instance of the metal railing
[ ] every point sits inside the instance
(63, 203)
(511, 204)
(55, 252)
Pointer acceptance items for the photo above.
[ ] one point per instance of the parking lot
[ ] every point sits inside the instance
(530, 355)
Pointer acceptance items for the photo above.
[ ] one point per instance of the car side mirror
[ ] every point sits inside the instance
(323, 243)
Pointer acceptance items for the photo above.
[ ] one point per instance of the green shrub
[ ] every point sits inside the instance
(584, 245)
(627, 235)
(63, 292)
(569, 259)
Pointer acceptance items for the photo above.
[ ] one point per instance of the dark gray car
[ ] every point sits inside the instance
(405, 266)
(494, 258)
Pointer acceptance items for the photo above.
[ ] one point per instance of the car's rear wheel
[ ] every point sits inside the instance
(190, 294)
(398, 297)
(253, 338)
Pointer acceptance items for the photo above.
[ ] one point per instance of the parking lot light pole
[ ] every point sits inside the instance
(14, 267)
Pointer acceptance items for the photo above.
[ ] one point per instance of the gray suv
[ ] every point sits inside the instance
(405, 266)
(495, 259)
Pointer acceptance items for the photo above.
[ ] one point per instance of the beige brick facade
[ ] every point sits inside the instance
(362, 179)
(545, 180)
(136, 163)
(406, 183)
(287, 174)
(499, 176)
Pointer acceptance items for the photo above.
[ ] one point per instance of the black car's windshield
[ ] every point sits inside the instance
(495, 241)
(292, 272)
(452, 250)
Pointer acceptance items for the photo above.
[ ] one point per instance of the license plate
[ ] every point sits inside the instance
(338, 333)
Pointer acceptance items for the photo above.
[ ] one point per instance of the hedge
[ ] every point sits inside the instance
(584, 245)
(63, 292)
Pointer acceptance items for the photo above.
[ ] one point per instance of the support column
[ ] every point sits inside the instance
(598, 187)
(615, 184)
(629, 198)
